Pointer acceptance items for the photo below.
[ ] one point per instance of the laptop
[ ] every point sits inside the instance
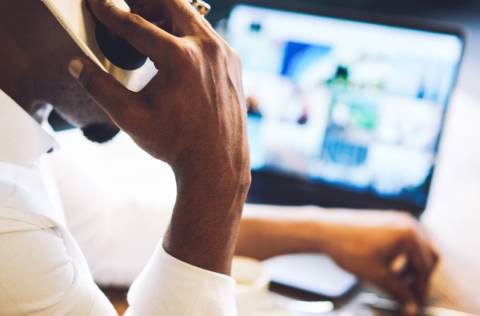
(342, 112)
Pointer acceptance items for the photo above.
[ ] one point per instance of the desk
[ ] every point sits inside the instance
(351, 306)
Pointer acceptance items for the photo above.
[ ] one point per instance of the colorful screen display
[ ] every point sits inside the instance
(350, 104)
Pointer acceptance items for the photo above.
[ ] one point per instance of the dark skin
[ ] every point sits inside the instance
(196, 123)
(388, 249)
(201, 135)
(31, 77)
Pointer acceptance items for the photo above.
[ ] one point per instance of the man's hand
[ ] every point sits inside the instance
(191, 115)
(388, 249)
(391, 251)
(192, 112)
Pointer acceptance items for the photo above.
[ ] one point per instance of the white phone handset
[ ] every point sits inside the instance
(111, 53)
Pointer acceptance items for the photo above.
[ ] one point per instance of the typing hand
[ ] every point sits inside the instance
(391, 251)
(191, 115)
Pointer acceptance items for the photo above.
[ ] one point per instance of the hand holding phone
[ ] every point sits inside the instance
(109, 52)
(191, 115)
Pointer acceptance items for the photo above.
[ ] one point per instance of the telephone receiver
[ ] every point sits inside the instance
(117, 50)
(110, 52)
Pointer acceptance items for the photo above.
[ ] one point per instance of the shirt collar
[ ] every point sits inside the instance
(22, 139)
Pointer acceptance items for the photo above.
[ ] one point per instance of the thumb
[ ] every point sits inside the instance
(402, 292)
(111, 95)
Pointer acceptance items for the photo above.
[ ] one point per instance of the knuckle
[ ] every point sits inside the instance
(134, 20)
(106, 8)
(246, 183)
(235, 56)
(212, 48)
(130, 22)
(222, 53)
(190, 53)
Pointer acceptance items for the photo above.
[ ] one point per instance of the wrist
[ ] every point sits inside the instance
(198, 175)
(207, 212)
(343, 239)
(326, 231)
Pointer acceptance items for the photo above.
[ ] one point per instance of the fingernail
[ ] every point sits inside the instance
(399, 264)
(411, 308)
(75, 68)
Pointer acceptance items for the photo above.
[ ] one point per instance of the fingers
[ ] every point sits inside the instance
(414, 263)
(397, 287)
(146, 37)
(399, 264)
(402, 268)
(181, 17)
(114, 98)
(423, 261)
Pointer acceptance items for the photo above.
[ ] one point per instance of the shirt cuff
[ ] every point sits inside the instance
(170, 287)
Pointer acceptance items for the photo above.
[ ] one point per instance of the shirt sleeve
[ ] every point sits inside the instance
(42, 271)
(170, 287)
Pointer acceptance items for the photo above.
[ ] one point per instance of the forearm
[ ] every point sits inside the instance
(369, 244)
(205, 222)
(264, 238)
(266, 232)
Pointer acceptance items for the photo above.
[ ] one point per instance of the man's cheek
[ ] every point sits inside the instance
(78, 109)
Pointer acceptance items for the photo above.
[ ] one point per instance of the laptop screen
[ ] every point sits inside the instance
(353, 105)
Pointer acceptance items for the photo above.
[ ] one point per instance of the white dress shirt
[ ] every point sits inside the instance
(42, 269)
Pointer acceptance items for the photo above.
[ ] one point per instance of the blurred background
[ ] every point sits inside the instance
(464, 13)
